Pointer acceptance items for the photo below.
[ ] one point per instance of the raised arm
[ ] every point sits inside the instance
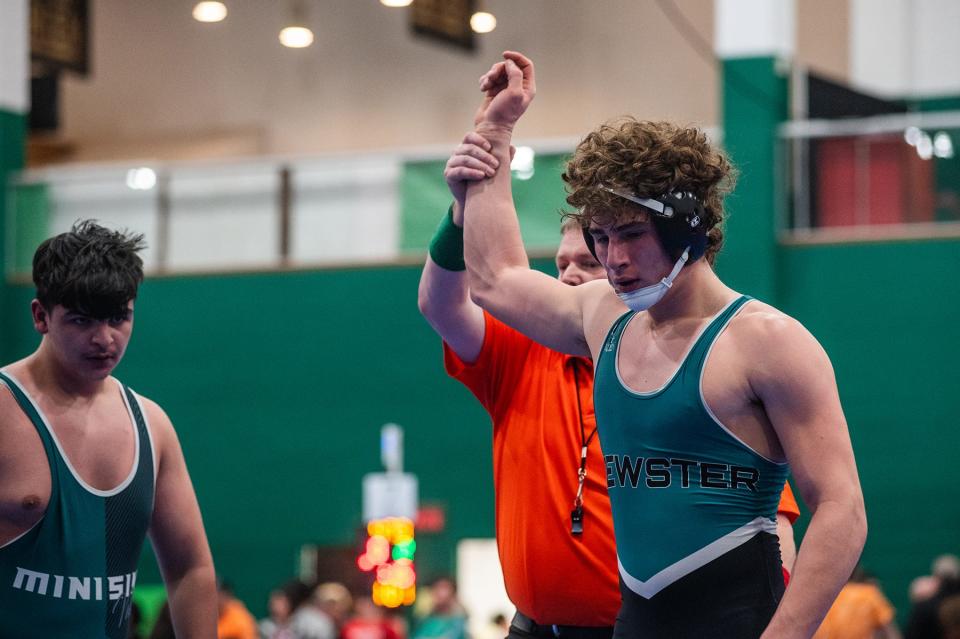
(794, 381)
(501, 280)
(178, 538)
(443, 296)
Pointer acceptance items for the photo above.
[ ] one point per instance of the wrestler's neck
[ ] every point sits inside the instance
(48, 374)
(697, 292)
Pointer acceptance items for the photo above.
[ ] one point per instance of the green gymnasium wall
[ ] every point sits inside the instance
(753, 104)
(539, 200)
(886, 314)
(13, 131)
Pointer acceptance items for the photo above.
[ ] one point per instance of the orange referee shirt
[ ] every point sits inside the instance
(859, 611)
(538, 400)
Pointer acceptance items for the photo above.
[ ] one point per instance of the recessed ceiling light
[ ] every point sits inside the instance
(209, 12)
(296, 37)
(141, 179)
(483, 22)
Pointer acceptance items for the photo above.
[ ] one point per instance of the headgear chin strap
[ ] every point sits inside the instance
(678, 217)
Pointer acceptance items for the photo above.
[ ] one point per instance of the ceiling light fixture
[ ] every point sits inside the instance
(912, 135)
(209, 12)
(483, 22)
(297, 34)
(141, 179)
(925, 147)
(942, 145)
(396, 3)
(296, 37)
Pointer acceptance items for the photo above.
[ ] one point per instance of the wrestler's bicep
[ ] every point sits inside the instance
(795, 382)
(540, 307)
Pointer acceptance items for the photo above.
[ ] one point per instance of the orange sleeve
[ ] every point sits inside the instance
(499, 364)
(788, 504)
(236, 623)
(884, 611)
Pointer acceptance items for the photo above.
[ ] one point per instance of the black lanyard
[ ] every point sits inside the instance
(576, 516)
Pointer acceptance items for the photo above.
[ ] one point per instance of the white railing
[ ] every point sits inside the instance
(258, 213)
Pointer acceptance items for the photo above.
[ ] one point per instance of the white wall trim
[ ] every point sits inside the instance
(751, 28)
(14, 49)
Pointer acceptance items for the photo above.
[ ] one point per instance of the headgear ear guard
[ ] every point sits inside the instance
(678, 218)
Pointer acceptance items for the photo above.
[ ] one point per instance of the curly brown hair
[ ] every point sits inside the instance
(649, 159)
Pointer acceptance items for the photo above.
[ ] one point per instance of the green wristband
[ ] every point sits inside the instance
(446, 247)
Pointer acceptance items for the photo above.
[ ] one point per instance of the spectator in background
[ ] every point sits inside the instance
(311, 621)
(925, 620)
(398, 623)
(949, 615)
(944, 568)
(279, 609)
(501, 623)
(859, 612)
(335, 600)
(368, 622)
(497, 627)
(447, 618)
(235, 621)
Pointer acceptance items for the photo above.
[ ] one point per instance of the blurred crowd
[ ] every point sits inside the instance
(935, 600)
(330, 611)
(862, 611)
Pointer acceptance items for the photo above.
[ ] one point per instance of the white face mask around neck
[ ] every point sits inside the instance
(643, 298)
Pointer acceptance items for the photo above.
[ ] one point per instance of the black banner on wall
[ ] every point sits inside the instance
(445, 20)
(60, 35)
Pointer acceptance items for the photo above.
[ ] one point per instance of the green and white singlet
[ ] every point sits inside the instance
(73, 573)
(694, 508)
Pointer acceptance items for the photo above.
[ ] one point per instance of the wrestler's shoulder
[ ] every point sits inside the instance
(158, 421)
(14, 424)
(760, 326)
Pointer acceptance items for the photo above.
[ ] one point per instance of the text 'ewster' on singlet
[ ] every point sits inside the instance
(684, 490)
(73, 573)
